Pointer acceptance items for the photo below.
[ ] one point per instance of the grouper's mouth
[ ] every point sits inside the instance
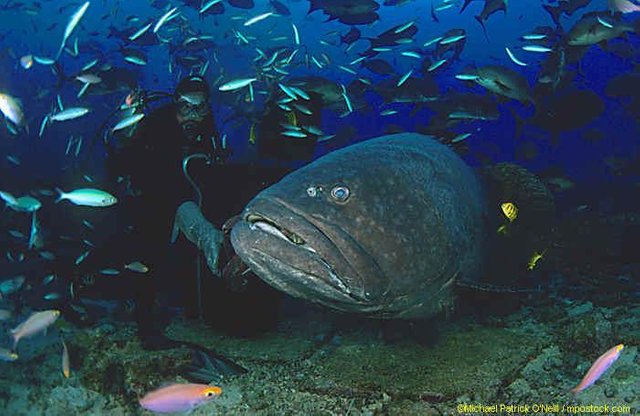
(294, 262)
(265, 224)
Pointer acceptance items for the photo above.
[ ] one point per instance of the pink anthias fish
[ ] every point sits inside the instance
(598, 368)
(179, 397)
(36, 323)
(624, 6)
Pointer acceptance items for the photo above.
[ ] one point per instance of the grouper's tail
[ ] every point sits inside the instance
(513, 183)
(515, 239)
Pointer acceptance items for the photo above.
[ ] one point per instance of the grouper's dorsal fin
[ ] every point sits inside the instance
(520, 218)
(513, 183)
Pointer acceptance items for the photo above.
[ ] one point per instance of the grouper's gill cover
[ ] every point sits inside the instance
(382, 227)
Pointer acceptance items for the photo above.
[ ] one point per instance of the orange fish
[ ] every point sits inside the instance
(66, 368)
(131, 98)
(179, 397)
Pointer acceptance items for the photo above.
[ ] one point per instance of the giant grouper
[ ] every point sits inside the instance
(386, 227)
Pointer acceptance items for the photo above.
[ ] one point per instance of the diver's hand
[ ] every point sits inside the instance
(199, 231)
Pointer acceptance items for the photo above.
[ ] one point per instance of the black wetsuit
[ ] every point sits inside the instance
(153, 161)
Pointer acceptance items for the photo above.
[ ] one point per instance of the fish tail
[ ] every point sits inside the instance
(484, 28)
(61, 194)
(16, 339)
(8, 198)
(464, 5)
(554, 12)
(61, 76)
(314, 5)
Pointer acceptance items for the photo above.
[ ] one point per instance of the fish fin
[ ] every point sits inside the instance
(504, 7)
(314, 5)
(554, 12)
(484, 28)
(60, 195)
(433, 13)
(60, 75)
(175, 231)
(16, 339)
(502, 86)
(207, 366)
(519, 185)
(464, 5)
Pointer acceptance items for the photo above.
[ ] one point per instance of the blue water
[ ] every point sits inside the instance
(26, 34)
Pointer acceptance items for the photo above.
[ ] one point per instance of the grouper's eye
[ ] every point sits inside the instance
(340, 193)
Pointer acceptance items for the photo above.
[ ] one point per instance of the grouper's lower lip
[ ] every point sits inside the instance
(330, 280)
(298, 283)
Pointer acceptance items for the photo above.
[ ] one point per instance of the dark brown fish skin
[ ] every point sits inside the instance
(242, 4)
(567, 7)
(349, 12)
(506, 82)
(413, 90)
(280, 8)
(626, 86)
(351, 36)
(389, 38)
(589, 31)
(378, 66)
(450, 51)
(568, 110)
(411, 226)
(552, 69)
(480, 106)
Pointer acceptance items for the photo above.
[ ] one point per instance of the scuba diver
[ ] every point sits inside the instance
(175, 151)
(152, 162)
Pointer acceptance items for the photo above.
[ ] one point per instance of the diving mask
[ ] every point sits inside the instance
(192, 106)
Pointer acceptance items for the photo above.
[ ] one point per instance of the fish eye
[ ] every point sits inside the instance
(209, 393)
(340, 193)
